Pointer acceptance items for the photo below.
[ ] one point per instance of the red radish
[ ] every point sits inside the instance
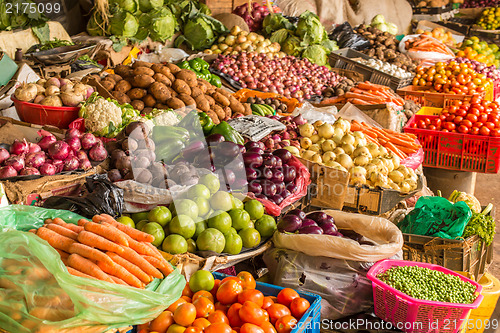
(98, 153)
(88, 141)
(19, 147)
(7, 172)
(16, 161)
(47, 169)
(29, 171)
(4, 154)
(35, 160)
(59, 150)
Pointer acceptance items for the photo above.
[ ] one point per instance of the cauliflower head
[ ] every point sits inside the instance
(101, 116)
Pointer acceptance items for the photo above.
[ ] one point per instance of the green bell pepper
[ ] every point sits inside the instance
(215, 81)
(203, 63)
(185, 65)
(206, 122)
(228, 133)
(191, 121)
(195, 64)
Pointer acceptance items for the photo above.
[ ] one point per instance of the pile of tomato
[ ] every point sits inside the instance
(452, 78)
(477, 117)
(232, 306)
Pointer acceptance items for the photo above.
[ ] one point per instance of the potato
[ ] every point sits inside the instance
(136, 93)
(147, 110)
(149, 100)
(211, 90)
(219, 111)
(181, 87)
(144, 70)
(221, 99)
(166, 71)
(205, 83)
(173, 68)
(170, 76)
(202, 103)
(188, 100)
(248, 109)
(157, 68)
(114, 77)
(175, 103)
(159, 92)
(186, 74)
(123, 86)
(121, 97)
(108, 84)
(228, 112)
(172, 92)
(235, 105)
(122, 70)
(195, 92)
(161, 106)
(162, 78)
(223, 92)
(142, 81)
(202, 87)
(95, 77)
(210, 100)
(214, 117)
(141, 64)
(137, 104)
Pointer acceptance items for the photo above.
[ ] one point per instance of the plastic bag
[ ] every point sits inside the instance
(311, 113)
(343, 286)
(437, 217)
(431, 57)
(346, 37)
(35, 284)
(302, 182)
(414, 160)
(380, 231)
(102, 197)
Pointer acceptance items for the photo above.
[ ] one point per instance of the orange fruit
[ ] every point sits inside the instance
(201, 323)
(218, 328)
(176, 329)
(185, 314)
(175, 304)
(162, 322)
(218, 317)
(187, 291)
(204, 307)
(203, 293)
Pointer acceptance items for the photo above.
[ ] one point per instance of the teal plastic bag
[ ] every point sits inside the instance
(437, 217)
(37, 294)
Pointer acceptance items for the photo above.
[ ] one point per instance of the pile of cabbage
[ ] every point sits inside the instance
(380, 23)
(134, 20)
(307, 39)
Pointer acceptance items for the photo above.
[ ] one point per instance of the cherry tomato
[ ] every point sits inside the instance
(463, 129)
(474, 111)
(437, 122)
(427, 121)
(478, 124)
(484, 131)
(421, 124)
(442, 117)
(461, 113)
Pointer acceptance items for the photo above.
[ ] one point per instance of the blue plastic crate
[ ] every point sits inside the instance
(310, 321)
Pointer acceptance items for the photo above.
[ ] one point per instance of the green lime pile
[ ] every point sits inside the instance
(427, 284)
(205, 219)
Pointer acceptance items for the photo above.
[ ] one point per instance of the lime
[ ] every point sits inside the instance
(201, 280)
(211, 182)
(156, 230)
(240, 219)
(198, 191)
(211, 240)
(237, 203)
(250, 237)
(191, 245)
(137, 217)
(230, 231)
(221, 201)
(255, 208)
(186, 207)
(220, 220)
(203, 206)
(182, 225)
(266, 226)
(174, 244)
(234, 244)
(200, 226)
(126, 220)
(141, 224)
(160, 215)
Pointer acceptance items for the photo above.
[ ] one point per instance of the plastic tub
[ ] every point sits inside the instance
(415, 315)
(38, 114)
(479, 318)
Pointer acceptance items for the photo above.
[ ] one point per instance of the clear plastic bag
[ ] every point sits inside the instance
(37, 294)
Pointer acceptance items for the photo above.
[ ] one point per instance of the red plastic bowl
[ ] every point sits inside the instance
(59, 116)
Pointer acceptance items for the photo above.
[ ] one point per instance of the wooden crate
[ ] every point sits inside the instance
(223, 6)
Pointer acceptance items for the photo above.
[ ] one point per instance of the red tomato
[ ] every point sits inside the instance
(215, 288)
(495, 132)
(299, 306)
(450, 117)
(449, 126)
(234, 316)
(427, 121)
(421, 124)
(466, 123)
(252, 313)
(286, 324)
(228, 291)
(286, 296)
(471, 117)
(276, 311)
(483, 117)
(247, 279)
(474, 131)
(252, 295)
(251, 328)
(478, 124)
(437, 122)
(458, 119)
(218, 317)
(268, 327)
(432, 127)
(463, 129)
(267, 302)
(490, 125)
(474, 111)
(461, 113)
(218, 328)
(484, 131)
(413, 125)
(221, 307)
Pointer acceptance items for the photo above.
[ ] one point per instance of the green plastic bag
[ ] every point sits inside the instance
(437, 217)
(35, 284)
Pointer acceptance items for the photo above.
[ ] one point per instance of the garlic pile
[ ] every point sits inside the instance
(385, 67)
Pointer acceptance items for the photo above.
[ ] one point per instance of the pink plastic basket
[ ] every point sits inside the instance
(414, 315)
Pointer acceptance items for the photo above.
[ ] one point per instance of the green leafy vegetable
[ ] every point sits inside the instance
(329, 45)
(310, 29)
(316, 54)
(130, 6)
(147, 5)
(200, 32)
(279, 36)
(162, 24)
(481, 224)
(274, 22)
(292, 46)
(123, 23)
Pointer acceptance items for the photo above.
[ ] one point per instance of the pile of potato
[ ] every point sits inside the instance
(385, 48)
(146, 86)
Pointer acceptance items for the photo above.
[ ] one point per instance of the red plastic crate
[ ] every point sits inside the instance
(423, 97)
(455, 151)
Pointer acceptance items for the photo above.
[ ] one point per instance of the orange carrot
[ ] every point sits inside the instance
(395, 150)
(88, 267)
(134, 233)
(76, 272)
(70, 226)
(142, 263)
(98, 242)
(120, 272)
(133, 269)
(33, 231)
(89, 253)
(360, 101)
(47, 221)
(62, 230)
(118, 280)
(162, 265)
(81, 222)
(63, 254)
(55, 240)
(106, 232)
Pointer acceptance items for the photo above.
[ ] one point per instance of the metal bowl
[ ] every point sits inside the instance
(61, 55)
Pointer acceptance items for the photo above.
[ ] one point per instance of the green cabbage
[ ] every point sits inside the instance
(310, 29)
(200, 32)
(143, 31)
(292, 46)
(392, 28)
(378, 19)
(279, 36)
(274, 22)
(381, 26)
(316, 54)
(123, 24)
(96, 26)
(130, 6)
(330, 45)
(163, 25)
(147, 5)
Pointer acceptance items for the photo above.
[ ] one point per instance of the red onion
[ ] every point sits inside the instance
(71, 164)
(4, 154)
(35, 160)
(16, 161)
(47, 169)
(74, 143)
(85, 164)
(33, 148)
(98, 153)
(7, 172)
(73, 133)
(59, 165)
(88, 141)
(59, 150)
(19, 147)
(46, 141)
(81, 155)
(29, 171)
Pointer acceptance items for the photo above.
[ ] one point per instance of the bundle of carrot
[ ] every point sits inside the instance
(401, 144)
(106, 250)
(425, 43)
(366, 93)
